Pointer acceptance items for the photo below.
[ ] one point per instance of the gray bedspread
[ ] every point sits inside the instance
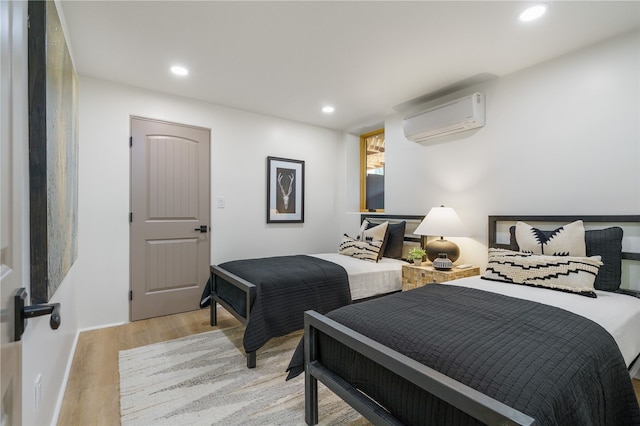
(286, 286)
(555, 366)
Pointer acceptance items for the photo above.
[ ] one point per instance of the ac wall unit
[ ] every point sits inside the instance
(452, 117)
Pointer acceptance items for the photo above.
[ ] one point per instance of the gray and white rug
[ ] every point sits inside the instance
(203, 380)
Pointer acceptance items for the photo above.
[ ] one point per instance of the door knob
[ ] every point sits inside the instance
(22, 312)
(202, 229)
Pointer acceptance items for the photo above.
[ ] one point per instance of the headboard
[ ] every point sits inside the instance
(559, 220)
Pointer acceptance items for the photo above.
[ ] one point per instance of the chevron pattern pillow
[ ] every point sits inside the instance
(568, 240)
(564, 273)
(365, 250)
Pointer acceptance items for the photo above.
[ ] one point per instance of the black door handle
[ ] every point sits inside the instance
(22, 312)
(202, 229)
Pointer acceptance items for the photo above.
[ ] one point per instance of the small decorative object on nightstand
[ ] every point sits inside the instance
(442, 262)
(416, 254)
(418, 276)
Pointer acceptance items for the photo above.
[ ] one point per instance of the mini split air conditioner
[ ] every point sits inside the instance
(452, 117)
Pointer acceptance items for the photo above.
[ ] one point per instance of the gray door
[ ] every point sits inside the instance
(170, 206)
(13, 154)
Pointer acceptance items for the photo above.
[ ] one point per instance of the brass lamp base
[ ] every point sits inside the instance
(435, 247)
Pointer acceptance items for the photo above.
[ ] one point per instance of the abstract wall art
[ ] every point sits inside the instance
(53, 152)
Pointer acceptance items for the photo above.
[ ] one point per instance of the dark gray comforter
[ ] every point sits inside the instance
(555, 366)
(286, 286)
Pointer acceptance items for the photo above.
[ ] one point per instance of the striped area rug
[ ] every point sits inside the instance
(203, 380)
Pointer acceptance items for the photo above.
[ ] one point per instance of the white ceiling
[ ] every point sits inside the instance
(288, 59)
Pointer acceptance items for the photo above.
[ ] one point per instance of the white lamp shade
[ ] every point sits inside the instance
(443, 222)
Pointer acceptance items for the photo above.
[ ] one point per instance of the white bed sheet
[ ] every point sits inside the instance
(617, 313)
(367, 279)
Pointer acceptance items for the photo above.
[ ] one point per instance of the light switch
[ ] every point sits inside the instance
(220, 202)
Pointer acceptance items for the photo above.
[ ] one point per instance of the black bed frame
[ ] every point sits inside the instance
(249, 289)
(468, 400)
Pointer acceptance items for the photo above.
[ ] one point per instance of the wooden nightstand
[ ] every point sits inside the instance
(416, 276)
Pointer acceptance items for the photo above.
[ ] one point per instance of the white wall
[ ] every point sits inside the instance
(240, 143)
(562, 137)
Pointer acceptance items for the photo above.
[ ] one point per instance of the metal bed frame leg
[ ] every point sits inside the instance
(310, 382)
(310, 399)
(251, 359)
(214, 313)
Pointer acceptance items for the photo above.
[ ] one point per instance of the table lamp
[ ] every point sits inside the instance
(442, 221)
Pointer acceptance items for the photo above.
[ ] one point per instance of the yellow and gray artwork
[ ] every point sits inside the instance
(62, 154)
(53, 152)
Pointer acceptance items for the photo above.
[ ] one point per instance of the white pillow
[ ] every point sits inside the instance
(568, 240)
(375, 233)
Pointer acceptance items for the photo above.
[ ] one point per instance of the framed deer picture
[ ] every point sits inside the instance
(285, 190)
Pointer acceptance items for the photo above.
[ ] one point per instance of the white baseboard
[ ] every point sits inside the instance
(98, 327)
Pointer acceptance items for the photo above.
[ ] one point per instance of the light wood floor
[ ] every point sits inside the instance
(92, 396)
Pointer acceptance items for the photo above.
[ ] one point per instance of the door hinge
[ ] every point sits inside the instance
(130, 295)
(130, 141)
(130, 217)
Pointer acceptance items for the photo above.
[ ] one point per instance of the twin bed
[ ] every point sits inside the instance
(270, 295)
(477, 351)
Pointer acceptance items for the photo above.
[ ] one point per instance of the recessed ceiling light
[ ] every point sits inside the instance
(328, 109)
(178, 70)
(533, 13)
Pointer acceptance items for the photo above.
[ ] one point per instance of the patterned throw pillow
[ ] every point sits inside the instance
(568, 240)
(370, 232)
(373, 232)
(565, 273)
(365, 250)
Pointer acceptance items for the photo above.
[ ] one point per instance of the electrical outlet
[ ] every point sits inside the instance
(37, 393)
